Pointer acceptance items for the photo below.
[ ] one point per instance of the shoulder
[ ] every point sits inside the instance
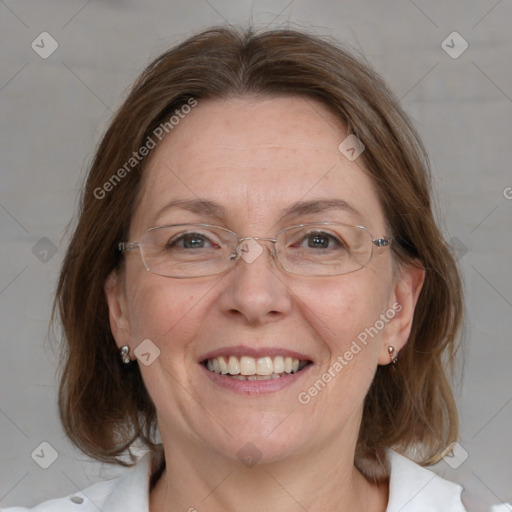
(127, 493)
(417, 489)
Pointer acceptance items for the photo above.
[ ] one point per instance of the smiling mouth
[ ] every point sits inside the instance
(251, 368)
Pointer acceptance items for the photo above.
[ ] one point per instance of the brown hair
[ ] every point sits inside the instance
(105, 407)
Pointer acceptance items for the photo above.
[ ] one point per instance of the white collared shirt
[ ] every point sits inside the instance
(412, 488)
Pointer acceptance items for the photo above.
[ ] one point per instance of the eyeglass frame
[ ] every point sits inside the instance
(235, 256)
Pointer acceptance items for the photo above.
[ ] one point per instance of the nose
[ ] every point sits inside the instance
(255, 290)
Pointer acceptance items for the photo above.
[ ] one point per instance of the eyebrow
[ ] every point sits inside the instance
(198, 206)
(212, 209)
(317, 206)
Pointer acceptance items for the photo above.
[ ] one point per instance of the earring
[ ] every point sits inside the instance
(125, 354)
(392, 355)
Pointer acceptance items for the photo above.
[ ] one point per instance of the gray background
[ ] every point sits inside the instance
(54, 110)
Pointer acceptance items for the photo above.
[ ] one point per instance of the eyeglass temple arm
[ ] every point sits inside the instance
(127, 246)
(382, 242)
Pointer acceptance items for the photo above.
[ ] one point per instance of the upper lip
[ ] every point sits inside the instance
(240, 350)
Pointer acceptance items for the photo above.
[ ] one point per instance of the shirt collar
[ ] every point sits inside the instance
(412, 488)
(131, 492)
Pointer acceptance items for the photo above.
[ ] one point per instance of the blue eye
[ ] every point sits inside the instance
(320, 240)
(190, 241)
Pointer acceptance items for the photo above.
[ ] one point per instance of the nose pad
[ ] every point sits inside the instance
(249, 249)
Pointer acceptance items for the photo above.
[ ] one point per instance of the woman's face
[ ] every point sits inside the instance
(263, 164)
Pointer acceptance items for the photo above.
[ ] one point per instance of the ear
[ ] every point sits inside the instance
(117, 307)
(407, 287)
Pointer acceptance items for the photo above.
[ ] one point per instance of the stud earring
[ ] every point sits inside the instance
(392, 355)
(125, 354)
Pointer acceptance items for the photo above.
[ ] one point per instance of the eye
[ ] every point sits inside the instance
(190, 241)
(318, 241)
(321, 240)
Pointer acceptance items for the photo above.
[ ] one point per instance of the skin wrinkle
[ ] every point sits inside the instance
(203, 207)
(277, 147)
(258, 304)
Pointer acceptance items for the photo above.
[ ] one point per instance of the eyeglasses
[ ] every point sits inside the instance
(200, 250)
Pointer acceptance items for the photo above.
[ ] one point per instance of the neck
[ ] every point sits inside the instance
(317, 480)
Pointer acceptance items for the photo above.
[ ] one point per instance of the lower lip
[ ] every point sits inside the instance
(255, 387)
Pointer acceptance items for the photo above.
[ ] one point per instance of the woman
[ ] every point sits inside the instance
(257, 290)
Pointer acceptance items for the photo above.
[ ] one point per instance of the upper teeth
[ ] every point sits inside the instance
(246, 365)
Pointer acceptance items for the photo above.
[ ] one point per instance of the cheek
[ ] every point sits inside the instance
(346, 319)
(340, 310)
(163, 310)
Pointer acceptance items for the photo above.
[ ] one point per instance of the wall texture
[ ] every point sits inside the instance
(55, 106)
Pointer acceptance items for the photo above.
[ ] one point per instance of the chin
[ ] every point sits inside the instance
(261, 439)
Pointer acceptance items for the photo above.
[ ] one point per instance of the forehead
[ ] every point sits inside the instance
(255, 157)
